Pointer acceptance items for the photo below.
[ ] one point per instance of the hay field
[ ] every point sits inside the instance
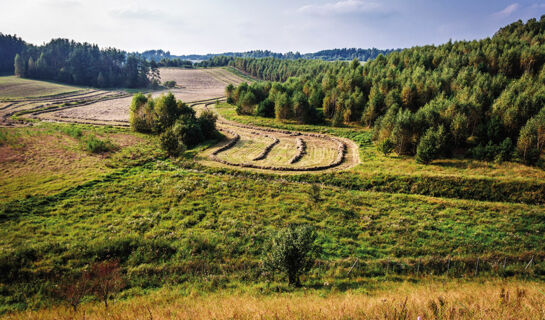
(192, 85)
(256, 149)
(12, 87)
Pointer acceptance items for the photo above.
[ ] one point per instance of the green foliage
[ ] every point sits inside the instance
(174, 121)
(77, 63)
(19, 66)
(292, 252)
(430, 145)
(531, 142)
(169, 84)
(386, 147)
(481, 92)
(170, 142)
(95, 145)
(150, 115)
(266, 108)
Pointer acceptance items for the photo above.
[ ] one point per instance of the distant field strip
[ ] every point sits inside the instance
(279, 150)
(45, 108)
(54, 102)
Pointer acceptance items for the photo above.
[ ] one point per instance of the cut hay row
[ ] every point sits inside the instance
(81, 103)
(341, 151)
(54, 96)
(48, 107)
(341, 148)
(229, 145)
(301, 150)
(268, 148)
(20, 106)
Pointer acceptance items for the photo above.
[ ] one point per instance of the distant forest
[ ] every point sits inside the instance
(75, 63)
(484, 98)
(345, 54)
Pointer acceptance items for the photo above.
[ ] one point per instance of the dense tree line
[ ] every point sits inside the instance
(9, 47)
(76, 63)
(485, 98)
(327, 55)
(272, 69)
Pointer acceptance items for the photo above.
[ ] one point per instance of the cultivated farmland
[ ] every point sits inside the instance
(52, 102)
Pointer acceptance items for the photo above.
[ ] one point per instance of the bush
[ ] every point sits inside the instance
(170, 142)
(173, 120)
(151, 115)
(169, 84)
(95, 145)
(292, 252)
(266, 108)
(207, 121)
(188, 131)
(430, 145)
(386, 147)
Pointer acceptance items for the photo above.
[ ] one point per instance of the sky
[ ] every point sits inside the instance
(213, 26)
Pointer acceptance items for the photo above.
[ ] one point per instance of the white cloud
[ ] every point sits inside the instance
(136, 13)
(342, 7)
(64, 4)
(509, 10)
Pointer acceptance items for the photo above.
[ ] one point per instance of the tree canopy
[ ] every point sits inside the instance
(482, 93)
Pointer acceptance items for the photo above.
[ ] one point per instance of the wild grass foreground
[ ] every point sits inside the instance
(435, 300)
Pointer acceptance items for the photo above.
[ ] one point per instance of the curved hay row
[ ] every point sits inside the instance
(83, 103)
(301, 151)
(341, 152)
(268, 148)
(228, 145)
(53, 97)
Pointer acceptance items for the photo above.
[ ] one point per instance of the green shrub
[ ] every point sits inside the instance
(266, 108)
(531, 141)
(151, 115)
(171, 143)
(207, 121)
(3, 136)
(95, 145)
(386, 147)
(72, 131)
(169, 84)
(292, 252)
(430, 145)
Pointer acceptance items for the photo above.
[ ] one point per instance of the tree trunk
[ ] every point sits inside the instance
(294, 280)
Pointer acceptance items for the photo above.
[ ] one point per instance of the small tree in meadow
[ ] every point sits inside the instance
(106, 279)
(386, 147)
(75, 290)
(293, 253)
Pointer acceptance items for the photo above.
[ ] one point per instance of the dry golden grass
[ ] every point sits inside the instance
(14, 87)
(435, 300)
(39, 161)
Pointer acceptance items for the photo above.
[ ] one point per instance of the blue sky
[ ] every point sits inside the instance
(205, 26)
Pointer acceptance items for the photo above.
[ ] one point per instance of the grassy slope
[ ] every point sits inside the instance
(373, 162)
(172, 224)
(14, 87)
(455, 178)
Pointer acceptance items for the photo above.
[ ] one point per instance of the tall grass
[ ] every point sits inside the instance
(3, 136)
(96, 145)
(453, 300)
